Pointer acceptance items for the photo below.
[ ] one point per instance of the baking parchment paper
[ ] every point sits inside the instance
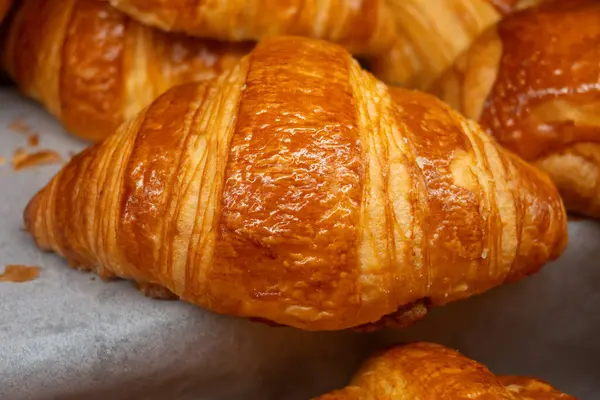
(66, 335)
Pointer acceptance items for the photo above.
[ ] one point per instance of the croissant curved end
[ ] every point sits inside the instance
(299, 189)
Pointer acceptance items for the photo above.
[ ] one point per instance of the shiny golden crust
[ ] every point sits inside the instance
(4, 7)
(93, 67)
(298, 189)
(532, 82)
(425, 371)
(362, 26)
(431, 34)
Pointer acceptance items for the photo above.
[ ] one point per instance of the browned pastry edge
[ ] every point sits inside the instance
(404, 317)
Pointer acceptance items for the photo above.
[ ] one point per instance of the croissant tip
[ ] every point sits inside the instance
(30, 213)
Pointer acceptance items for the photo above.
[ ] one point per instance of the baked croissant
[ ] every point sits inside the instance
(298, 189)
(426, 371)
(432, 33)
(362, 26)
(533, 81)
(93, 67)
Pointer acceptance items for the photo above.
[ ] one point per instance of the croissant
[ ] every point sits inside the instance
(93, 67)
(533, 81)
(298, 189)
(362, 26)
(431, 34)
(426, 371)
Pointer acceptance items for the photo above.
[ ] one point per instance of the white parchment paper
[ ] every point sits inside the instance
(66, 336)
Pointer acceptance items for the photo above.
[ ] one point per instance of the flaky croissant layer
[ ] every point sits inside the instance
(298, 189)
(426, 371)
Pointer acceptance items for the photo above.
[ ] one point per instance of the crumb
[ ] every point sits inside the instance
(2, 160)
(33, 140)
(93, 278)
(20, 273)
(22, 159)
(18, 155)
(19, 125)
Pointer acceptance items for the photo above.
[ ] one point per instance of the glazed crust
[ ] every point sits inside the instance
(93, 67)
(426, 371)
(298, 189)
(362, 26)
(532, 81)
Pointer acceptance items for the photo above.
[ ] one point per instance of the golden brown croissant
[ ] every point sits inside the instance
(426, 371)
(362, 26)
(533, 81)
(432, 33)
(93, 67)
(298, 189)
